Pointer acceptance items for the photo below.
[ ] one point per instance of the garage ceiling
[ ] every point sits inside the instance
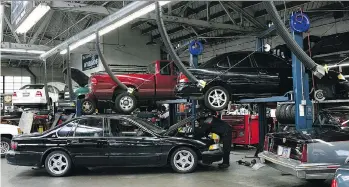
(185, 20)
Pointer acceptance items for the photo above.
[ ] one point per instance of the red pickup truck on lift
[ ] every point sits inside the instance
(156, 82)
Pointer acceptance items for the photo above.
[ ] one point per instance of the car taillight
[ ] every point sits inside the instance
(14, 145)
(93, 80)
(304, 153)
(14, 94)
(183, 78)
(266, 143)
(38, 94)
(334, 183)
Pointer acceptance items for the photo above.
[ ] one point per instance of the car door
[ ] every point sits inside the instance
(165, 80)
(241, 75)
(87, 145)
(130, 145)
(273, 73)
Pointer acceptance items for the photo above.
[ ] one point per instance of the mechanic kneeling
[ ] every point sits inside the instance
(211, 124)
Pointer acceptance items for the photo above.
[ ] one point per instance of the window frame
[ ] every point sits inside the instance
(152, 135)
(241, 54)
(76, 125)
(103, 126)
(168, 65)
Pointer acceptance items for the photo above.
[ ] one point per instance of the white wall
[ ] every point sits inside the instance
(122, 46)
(321, 27)
(52, 76)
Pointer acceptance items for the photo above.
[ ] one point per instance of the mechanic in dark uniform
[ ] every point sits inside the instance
(212, 124)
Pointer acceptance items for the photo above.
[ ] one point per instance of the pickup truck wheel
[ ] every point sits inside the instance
(125, 103)
(88, 106)
(217, 98)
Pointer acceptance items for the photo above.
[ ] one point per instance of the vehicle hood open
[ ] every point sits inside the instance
(180, 124)
(78, 76)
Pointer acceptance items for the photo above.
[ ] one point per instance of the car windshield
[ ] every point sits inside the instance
(151, 127)
(32, 86)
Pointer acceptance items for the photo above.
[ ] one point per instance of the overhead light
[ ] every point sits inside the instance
(33, 18)
(115, 25)
(22, 51)
(79, 43)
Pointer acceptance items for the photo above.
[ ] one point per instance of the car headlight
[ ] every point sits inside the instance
(213, 147)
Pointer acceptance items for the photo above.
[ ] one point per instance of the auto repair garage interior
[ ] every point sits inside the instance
(174, 93)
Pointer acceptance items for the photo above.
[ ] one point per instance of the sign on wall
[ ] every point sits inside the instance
(89, 61)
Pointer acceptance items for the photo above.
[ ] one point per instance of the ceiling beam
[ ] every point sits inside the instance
(197, 23)
(80, 7)
(237, 8)
(19, 57)
(226, 10)
(279, 7)
(41, 27)
(9, 45)
(11, 28)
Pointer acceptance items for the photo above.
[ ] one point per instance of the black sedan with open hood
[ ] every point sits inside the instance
(111, 141)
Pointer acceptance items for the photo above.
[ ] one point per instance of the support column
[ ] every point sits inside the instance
(304, 113)
(45, 83)
(69, 76)
(262, 121)
(194, 63)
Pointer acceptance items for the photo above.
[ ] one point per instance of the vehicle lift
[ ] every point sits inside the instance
(304, 113)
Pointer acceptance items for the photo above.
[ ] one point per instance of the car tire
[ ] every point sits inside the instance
(125, 103)
(5, 145)
(217, 93)
(58, 164)
(88, 106)
(289, 116)
(184, 160)
(282, 114)
(319, 95)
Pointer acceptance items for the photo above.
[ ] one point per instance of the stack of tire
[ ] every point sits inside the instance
(285, 113)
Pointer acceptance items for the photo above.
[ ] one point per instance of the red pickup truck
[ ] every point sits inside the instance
(155, 82)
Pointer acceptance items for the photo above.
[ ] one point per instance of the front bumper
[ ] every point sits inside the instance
(188, 90)
(298, 169)
(23, 158)
(209, 157)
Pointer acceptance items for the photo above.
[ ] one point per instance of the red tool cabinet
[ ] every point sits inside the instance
(245, 129)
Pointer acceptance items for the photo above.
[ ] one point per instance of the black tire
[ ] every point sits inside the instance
(208, 101)
(319, 95)
(66, 169)
(277, 112)
(88, 106)
(289, 116)
(125, 103)
(193, 159)
(5, 142)
(282, 115)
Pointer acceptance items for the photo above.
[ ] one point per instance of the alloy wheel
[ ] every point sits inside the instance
(217, 98)
(87, 106)
(183, 160)
(58, 163)
(4, 147)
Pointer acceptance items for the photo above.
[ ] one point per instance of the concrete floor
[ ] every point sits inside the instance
(236, 175)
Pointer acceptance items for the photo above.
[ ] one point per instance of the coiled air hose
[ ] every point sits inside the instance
(107, 69)
(318, 70)
(171, 50)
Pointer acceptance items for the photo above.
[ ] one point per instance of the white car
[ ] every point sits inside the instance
(34, 95)
(7, 132)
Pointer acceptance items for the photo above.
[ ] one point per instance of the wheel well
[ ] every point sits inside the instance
(119, 90)
(9, 136)
(43, 158)
(218, 83)
(189, 146)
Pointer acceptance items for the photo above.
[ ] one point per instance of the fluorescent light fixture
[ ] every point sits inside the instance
(115, 25)
(79, 43)
(131, 17)
(22, 51)
(33, 18)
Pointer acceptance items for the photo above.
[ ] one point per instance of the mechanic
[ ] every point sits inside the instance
(212, 124)
(164, 116)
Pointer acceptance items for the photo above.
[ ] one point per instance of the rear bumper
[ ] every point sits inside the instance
(298, 169)
(212, 156)
(188, 90)
(23, 158)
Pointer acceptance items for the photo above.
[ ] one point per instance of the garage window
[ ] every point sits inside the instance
(12, 83)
